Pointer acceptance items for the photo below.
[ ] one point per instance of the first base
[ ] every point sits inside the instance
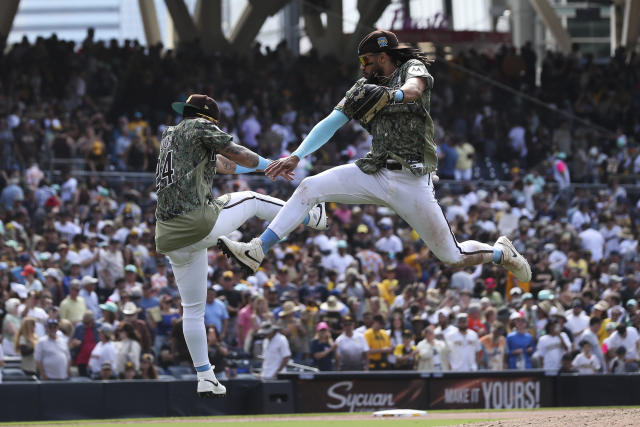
(400, 413)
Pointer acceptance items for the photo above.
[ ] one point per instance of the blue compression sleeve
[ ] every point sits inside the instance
(262, 165)
(321, 133)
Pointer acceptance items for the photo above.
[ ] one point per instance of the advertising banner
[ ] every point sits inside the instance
(490, 393)
(360, 395)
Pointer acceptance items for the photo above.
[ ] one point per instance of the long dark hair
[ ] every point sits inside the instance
(403, 53)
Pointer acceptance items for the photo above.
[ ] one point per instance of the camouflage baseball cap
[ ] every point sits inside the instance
(198, 105)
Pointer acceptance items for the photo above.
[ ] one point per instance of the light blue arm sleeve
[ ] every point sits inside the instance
(262, 165)
(321, 133)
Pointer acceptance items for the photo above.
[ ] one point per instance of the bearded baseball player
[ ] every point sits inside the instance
(190, 219)
(392, 102)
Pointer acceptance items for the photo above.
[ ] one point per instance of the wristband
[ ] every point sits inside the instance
(398, 95)
(262, 165)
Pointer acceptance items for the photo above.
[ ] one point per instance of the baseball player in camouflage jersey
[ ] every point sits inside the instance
(392, 103)
(190, 219)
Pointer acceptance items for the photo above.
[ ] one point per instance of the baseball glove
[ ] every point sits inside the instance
(366, 101)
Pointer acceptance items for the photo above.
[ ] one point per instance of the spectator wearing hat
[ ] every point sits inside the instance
(490, 292)
(128, 352)
(52, 355)
(379, 344)
(444, 326)
(167, 318)
(351, 348)
(333, 306)
(31, 308)
(370, 260)
(282, 283)
(577, 319)
(474, 311)
(465, 349)
(74, 274)
(323, 348)
(131, 278)
(591, 335)
(89, 255)
(131, 316)
(215, 311)
(553, 345)
(30, 281)
(103, 352)
(88, 294)
(432, 354)
(494, 347)
(352, 286)
(520, 344)
(73, 306)
(586, 362)
(405, 352)
(148, 303)
(275, 351)
(388, 286)
(312, 288)
(53, 284)
(108, 314)
(148, 370)
(138, 250)
(340, 260)
(627, 337)
(388, 242)
(110, 266)
(127, 226)
(130, 372)
(293, 329)
(106, 372)
(84, 339)
(233, 301)
(159, 278)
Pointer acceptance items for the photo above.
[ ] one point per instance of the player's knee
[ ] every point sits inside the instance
(452, 260)
(193, 311)
(308, 189)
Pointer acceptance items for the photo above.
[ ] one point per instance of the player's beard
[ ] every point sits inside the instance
(376, 76)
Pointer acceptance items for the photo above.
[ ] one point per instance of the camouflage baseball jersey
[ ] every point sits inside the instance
(187, 211)
(401, 131)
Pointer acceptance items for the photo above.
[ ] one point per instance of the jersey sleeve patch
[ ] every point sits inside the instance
(418, 69)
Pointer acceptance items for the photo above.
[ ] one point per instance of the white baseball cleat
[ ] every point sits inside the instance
(318, 217)
(209, 386)
(512, 260)
(249, 255)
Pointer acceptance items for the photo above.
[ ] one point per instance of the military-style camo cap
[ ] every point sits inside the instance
(378, 41)
(198, 105)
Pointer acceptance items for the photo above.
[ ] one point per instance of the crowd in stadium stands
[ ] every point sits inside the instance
(83, 292)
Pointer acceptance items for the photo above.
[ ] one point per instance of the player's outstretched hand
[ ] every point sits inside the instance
(282, 167)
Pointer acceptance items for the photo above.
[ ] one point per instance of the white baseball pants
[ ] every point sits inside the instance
(190, 264)
(410, 196)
